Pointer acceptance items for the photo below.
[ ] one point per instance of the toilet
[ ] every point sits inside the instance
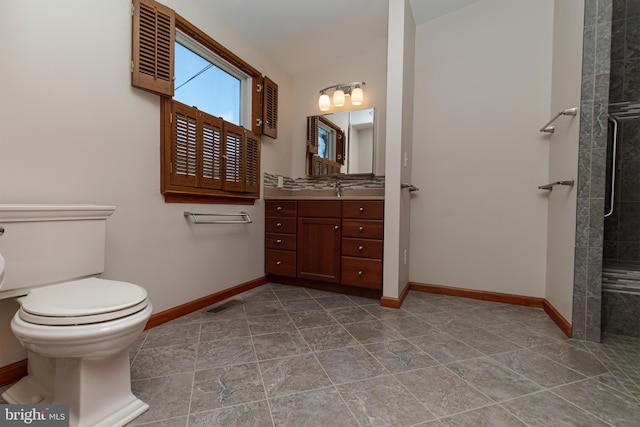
(76, 327)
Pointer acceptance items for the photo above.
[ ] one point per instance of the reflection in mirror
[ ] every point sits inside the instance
(341, 143)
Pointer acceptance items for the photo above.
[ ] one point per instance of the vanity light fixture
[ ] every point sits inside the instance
(340, 91)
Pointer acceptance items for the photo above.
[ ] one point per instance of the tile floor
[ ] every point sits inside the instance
(289, 356)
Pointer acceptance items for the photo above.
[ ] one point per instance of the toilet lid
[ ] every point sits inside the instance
(82, 301)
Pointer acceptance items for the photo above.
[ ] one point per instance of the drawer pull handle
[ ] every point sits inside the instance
(361, 229)
(360, 248)
(335, 227)
(279, 225)
(360, 273)
(361, 209)
(278, 241)
(278, 262)
(279, 208)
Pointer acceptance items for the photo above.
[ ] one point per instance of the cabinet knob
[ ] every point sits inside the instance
(360, 248)
(361, 209)
(335, 227)
(361, 229)
(360, 273)
(278, 241)
(279, 208)
(278, 262)
(279, 225)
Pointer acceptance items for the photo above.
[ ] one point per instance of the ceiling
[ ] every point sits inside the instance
(296, 33)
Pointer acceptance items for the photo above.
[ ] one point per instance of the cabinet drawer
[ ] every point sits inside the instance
(364, 248)
(280, 225)
(282, 263)
(362, 272)
(319, 208)
(279, 208)
(280, 241)
(368, 229)
(366, 209)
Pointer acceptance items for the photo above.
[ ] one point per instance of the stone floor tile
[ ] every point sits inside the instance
(489, 416)
(548, 410)
(494, 379)
(400, 356)
(292, 375)
(322, 408)
(383, 401)
(254, 414)
(441, 391)
(350, 364)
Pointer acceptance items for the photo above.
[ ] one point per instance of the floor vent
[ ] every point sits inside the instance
(226, 306)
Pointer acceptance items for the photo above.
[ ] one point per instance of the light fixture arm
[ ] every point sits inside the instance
(345, 87)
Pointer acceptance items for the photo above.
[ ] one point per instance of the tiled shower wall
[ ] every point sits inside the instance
(621, 229)
(587, 286)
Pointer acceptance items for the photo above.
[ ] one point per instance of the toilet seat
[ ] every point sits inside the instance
(81, 302)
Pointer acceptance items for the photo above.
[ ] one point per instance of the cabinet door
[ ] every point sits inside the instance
(319, 249)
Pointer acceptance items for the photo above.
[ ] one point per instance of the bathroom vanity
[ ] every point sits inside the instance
(328, 243)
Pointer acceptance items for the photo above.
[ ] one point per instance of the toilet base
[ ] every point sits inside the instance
(97, 390)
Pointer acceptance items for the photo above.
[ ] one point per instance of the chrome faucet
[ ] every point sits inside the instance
(338, 186)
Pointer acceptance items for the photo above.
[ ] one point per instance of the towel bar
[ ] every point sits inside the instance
(196, 218)
(549, 187)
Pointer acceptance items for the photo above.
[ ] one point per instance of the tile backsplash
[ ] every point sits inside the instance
(308, 183)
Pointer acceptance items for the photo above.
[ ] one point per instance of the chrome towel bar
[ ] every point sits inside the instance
(200, 218)
(568, 112)
(549, 187)
(411, 187)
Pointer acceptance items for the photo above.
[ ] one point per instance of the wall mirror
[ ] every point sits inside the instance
(341, 143)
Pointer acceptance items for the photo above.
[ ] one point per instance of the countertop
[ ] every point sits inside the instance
(324, 194)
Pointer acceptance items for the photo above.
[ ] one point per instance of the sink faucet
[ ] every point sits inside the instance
(338, 186)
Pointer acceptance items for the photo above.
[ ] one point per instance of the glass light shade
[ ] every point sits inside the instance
(338, 98)
(357, 96)
(324, 102)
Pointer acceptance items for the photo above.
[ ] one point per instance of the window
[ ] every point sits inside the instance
(214, 106)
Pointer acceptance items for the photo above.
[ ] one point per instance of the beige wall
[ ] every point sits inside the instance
(400, 87)
(73, 130)
(482, 91)
(563, 154)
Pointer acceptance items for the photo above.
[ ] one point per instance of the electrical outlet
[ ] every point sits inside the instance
(405, 257)
(280, 182)
(406, 161)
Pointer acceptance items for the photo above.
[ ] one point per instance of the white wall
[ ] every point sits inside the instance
(368, 65)
(400, 92)
(73, 130)
(482, 91)
(563, 155)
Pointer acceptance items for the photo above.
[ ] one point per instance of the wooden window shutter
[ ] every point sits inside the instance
(252, 163)
(312, 134)
(269, 108)
(340, 146)
(184, 146)
(153, 45)
(211, 152)
(233, 137)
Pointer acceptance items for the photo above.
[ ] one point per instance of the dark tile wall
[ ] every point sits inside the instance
(622, 228)
(587, 291)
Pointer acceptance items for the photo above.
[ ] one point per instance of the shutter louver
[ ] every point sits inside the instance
(252, 163)
(233, 148)
(269, 108)
(184, 151)
(211, 152)
(312, 134)
(153, 44)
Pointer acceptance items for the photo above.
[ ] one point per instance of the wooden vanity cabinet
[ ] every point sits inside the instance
(336, 242)
(280, 237)
(362, 243)
(319, 240)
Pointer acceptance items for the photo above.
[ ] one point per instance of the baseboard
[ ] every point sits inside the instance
(558, 319)
(395, 302)
(12, 373)
(200, 303)
(551, 311)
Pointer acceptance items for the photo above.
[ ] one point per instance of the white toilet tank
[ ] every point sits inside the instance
(48, 244)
